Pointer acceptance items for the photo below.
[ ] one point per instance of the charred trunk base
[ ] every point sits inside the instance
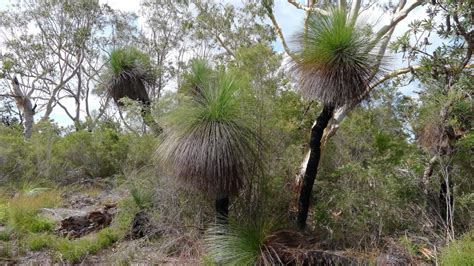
(222, 210)
(141, 226)
(312, 166)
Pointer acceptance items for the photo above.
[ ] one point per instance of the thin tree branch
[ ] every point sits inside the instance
(306, 8)
(125, 123)
(67, 112)
(468, 36)
(341, 112)
(280, 33)
(10, 95)
(221, 42)
(391, 75)
(216, 35)
(399, 16)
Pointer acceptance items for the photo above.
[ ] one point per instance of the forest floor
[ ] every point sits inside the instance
(79, 202)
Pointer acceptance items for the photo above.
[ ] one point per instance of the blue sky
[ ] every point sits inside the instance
(289, 18)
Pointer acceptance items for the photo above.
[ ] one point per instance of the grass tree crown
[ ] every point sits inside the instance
(128, 74)
(195, 80)
(334, 61)
(207, 145)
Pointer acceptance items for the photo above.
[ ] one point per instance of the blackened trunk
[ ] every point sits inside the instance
(222, 210)
(312, 166)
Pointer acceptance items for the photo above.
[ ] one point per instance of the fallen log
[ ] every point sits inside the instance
(80, 225)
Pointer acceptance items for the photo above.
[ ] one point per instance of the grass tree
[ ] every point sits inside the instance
(334, 63)
(207, 144)
(195, 81)
(128, 75)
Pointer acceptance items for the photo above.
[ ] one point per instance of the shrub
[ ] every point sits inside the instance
(3, 212)
(124, 218)
(99, 153)
(459, 252)
(64, 157)
(363, 193)
(36, 242)
(6, 234)
(140, 152)
(14, 155)
(6, 250)
(237, 243)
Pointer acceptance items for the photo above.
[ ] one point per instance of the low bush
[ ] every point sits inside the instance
(459, 252)
(99, 153)
(237, 243)
(64, 157)
(123, 220)
(15, 160)
(36, 242)
(6, 234)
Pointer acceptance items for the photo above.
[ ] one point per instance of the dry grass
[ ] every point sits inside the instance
(23, 208)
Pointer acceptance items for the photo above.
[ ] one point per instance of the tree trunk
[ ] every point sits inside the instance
(312, 166)
(446, 199)
(24, 104)
(425, 179)
(222, 210)
(148, 119)
(28, 114)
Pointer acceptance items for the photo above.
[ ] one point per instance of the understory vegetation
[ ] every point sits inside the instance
(367, 156)
(205, 138)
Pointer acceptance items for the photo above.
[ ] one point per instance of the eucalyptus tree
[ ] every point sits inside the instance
(47, 45)
(443, 121)
(164, 39)
(207, 144)
(127, 75)
(220, 29)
